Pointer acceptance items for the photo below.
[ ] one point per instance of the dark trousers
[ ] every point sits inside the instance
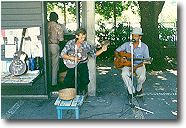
(82, 77)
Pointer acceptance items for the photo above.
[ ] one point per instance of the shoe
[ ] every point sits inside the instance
(140, 93)
(130, 95)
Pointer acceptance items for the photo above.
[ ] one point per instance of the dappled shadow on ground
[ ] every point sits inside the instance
(160, 91)
(111, 101)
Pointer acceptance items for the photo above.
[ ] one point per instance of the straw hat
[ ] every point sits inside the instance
(137, 31)
(67, 93)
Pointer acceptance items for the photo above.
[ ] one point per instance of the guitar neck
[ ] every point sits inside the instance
(104, 43)
(20, 49)
(139, 59)
(23, 35)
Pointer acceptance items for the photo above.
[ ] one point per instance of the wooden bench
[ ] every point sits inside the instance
(68, 104)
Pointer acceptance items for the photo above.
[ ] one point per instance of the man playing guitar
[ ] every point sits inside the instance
(140, 50)
(78, 45)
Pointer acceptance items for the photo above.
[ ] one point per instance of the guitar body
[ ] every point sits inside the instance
(18, 66)
(118, 63)
(71, 64)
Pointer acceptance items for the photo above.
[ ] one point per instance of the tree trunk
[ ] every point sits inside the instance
(149, 12)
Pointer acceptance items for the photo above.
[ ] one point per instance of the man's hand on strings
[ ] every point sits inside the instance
(123, 59)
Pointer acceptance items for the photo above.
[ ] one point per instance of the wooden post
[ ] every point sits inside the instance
(88, 22)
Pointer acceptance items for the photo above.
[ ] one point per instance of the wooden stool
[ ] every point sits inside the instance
(68, 104)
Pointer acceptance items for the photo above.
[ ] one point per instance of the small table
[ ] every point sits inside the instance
(68, 104)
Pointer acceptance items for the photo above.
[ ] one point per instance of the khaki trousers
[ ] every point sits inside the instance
(54, 59)
(141, 77)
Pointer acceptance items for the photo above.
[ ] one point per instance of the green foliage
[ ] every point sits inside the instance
(131, 5)
(167, 35)
(70, 6)
(50, 7)
(117, 36)
(105, 8)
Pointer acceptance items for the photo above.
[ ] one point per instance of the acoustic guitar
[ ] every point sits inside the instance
(118, 63)
(18, 66)
(81, 54)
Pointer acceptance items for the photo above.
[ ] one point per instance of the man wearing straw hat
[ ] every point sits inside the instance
(140, 50)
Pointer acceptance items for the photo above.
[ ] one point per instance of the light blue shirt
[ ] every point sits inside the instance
(141, 51)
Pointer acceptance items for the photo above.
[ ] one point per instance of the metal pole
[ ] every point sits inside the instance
(132, 70)
(76, 68)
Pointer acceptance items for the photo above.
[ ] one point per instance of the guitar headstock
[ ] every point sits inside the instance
(105, 43)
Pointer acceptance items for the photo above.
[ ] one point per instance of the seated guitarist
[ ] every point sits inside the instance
(140, 50)
(82, 68)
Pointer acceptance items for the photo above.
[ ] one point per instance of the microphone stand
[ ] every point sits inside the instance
(132, 70)
(132, 79)
(76, 69)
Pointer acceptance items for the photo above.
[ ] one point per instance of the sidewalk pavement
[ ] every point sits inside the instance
(110, 102)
